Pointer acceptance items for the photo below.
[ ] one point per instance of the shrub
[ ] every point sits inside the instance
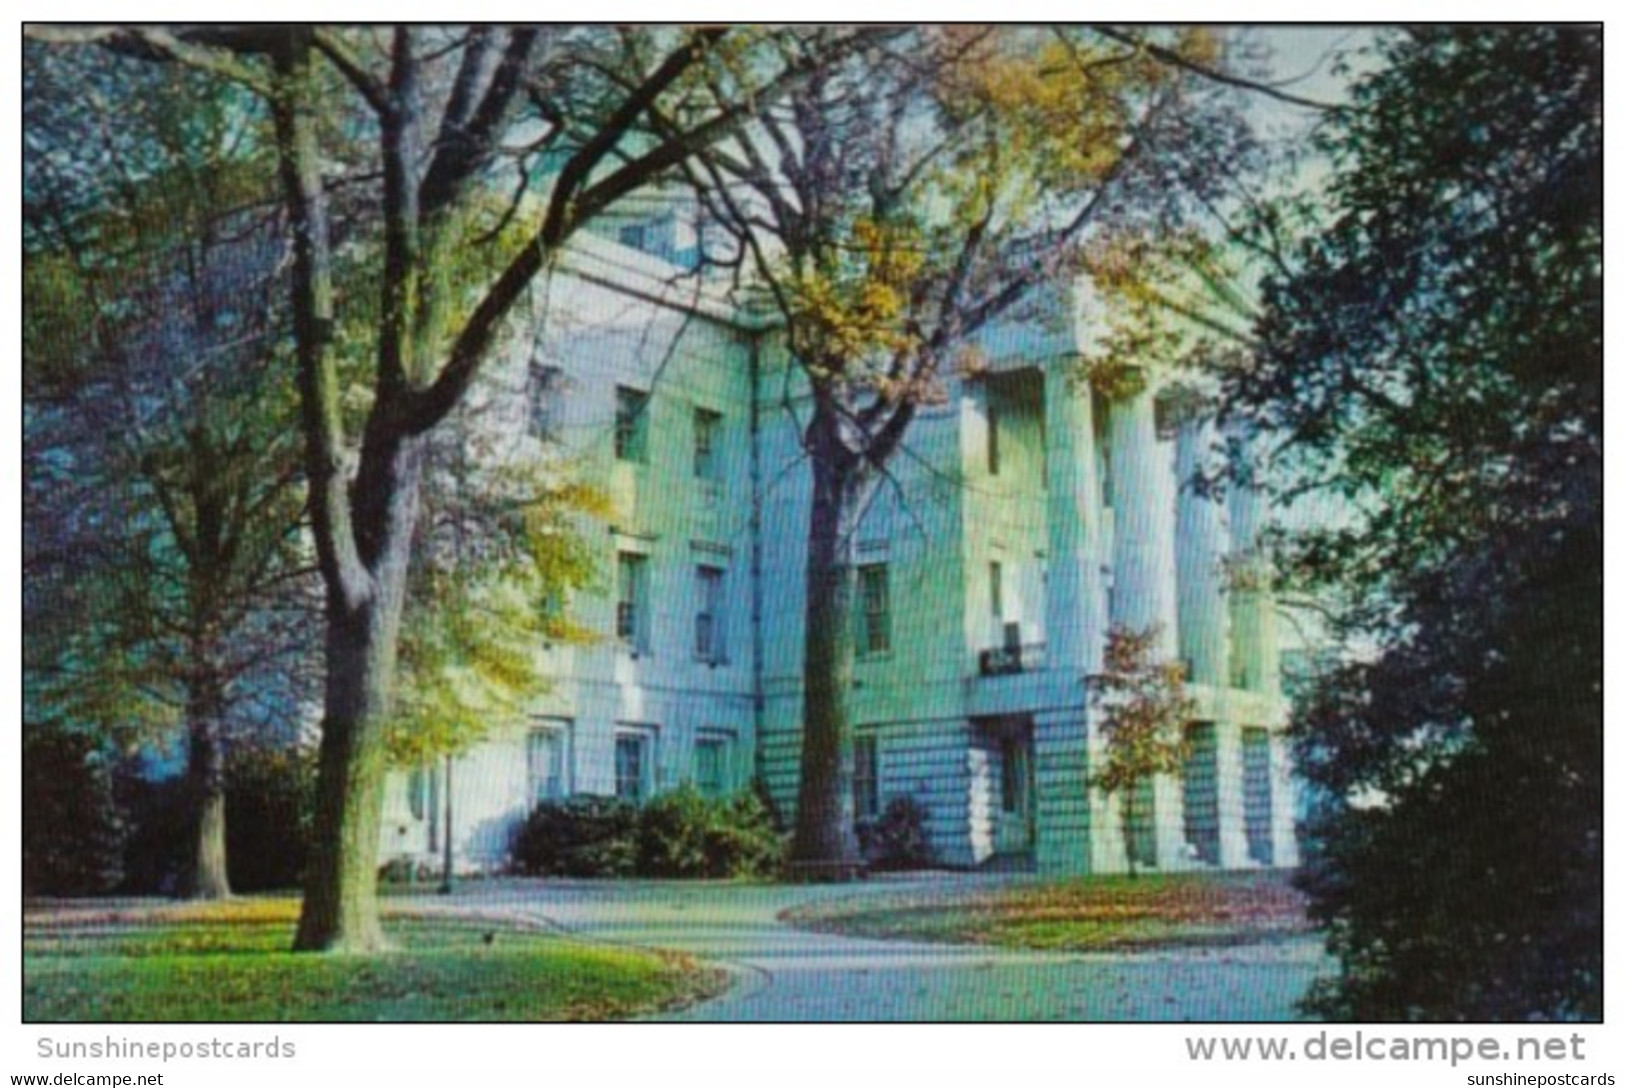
(73, 837)
(677, 834)
(685, 834)
(672, 833)
(270, 804)
(748, 842)
(898, 839)
(158, 848)
(581, 836)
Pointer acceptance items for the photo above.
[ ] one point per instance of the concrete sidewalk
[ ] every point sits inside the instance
(787, 974)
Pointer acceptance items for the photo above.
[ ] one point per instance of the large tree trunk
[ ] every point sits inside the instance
(825, 844)
(340, 911)
(206, 787)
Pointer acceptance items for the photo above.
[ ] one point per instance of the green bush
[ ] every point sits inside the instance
(747, 841)
(898, 839)
(678, 834)
(685, 834)
(581, 836)
(73, 836)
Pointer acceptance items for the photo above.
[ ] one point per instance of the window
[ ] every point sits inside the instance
(631, 424)
(634, 235)
(995, 582)
(992, 436)
(551, 610)
(545, 761)
(874, 635)
(865, 776)
(711, 766)
(631, 611)
(709, 621)
(633, 768)
(707, 438)
(543, 393)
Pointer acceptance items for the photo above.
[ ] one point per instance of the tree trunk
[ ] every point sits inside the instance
(340, 910)
(825, 844)
(206, 788)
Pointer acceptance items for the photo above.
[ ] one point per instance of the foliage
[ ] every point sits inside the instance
(423, 125)
(1143, 710)
(73, 835)
(1433, 356)
(686, 834)
(677, 834)
(270, 804)
(231, 962)
(164, 552)
(579, 836)
(269, 798)
(496, 551)
(945, 181)
(898, 838)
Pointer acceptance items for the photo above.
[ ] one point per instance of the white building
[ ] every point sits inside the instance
(1028, 516)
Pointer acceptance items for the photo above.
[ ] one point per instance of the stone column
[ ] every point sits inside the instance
(1203, 546)
(1229, 782)
(1075, 599)
(1144, 570)
(1283, 803)
(1254, 649)
(1070, 819)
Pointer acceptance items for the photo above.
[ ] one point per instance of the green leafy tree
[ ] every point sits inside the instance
(902, 203)
(168, 582)
(1143, 710)
(444, 116)
(1431, 357)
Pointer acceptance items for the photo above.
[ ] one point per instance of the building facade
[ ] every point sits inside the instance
(1026, 516)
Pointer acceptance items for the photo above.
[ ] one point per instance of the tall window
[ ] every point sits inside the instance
(865, 776)
(633, 766)
(710, 620)
(543, 392)
(995, 584)
(631, 424)
(992, 436)
(631, 602)
(711, 766)
(707, 439)
(874, 595)
(545, 760)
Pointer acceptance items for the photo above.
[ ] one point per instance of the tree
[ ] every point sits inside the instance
(1432, 355)
(438, 106)
(897, 206)
(1143, 710)
(163, 484)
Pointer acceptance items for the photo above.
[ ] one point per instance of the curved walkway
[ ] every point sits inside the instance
(787, 974)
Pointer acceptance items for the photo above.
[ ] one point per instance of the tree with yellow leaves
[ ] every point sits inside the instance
(899, 203)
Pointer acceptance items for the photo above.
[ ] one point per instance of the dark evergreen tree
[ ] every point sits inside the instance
(1432, 358)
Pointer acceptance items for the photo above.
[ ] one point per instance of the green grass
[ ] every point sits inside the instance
(1087, 914)
(231, 962)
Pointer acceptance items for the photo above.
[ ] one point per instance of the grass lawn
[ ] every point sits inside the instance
(1082, 914)
(230, 961)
